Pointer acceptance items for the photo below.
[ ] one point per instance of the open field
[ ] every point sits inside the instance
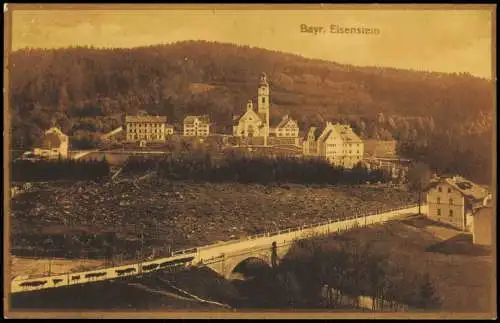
(104, 219)
(461, 272)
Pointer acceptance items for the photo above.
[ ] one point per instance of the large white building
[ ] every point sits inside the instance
(196, 126)
(145, 128)
(336, 143)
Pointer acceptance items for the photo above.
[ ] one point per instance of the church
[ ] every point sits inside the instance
(255, 123)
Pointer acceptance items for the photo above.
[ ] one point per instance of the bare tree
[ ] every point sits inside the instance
(419, 176)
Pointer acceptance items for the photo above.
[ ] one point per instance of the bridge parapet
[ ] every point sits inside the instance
(211, 254)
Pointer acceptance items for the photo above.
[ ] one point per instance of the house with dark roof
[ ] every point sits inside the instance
(382, 154)
(309, 143)
(380, 148)
(53, 144)
(197, 126)
(453, 200)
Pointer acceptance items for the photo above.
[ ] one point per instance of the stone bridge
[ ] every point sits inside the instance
(268, 252)
(222, 257)
(270, 248)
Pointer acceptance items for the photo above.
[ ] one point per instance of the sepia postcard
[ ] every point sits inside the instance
(249, 161)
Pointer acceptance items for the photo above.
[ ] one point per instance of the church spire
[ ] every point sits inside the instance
(263, 79)
(263, 104)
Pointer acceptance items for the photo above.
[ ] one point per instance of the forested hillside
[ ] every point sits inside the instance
(446, 120)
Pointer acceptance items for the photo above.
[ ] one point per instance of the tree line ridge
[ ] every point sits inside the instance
(87, 91)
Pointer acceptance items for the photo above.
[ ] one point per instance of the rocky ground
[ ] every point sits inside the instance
(85, 218)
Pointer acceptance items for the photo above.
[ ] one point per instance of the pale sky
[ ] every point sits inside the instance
(432, 40)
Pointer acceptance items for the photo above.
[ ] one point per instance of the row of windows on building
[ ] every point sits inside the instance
(195, 126)
(440, 189)
(191, 132)
(438, 200)
(147, 125)
(145, 130)
(133, 137)
(343, 151)
(450, 212)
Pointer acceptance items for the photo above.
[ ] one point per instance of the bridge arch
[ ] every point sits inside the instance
(239, 263)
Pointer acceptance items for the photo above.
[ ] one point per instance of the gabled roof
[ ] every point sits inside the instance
(247, 112)
(284, 121)
(326, 132)
(325, 135)
(51, 140)
(56, 131)
(468, 189)
(346, 133)
(150, 119)
(317, 132)
(312, 131)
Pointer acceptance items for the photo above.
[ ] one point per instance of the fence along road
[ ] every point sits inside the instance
(205, 254)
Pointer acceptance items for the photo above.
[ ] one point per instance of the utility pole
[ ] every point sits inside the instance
(157, 238)
(50, 264)
(141, 250)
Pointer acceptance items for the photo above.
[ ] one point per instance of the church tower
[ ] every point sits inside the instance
(263, 102)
